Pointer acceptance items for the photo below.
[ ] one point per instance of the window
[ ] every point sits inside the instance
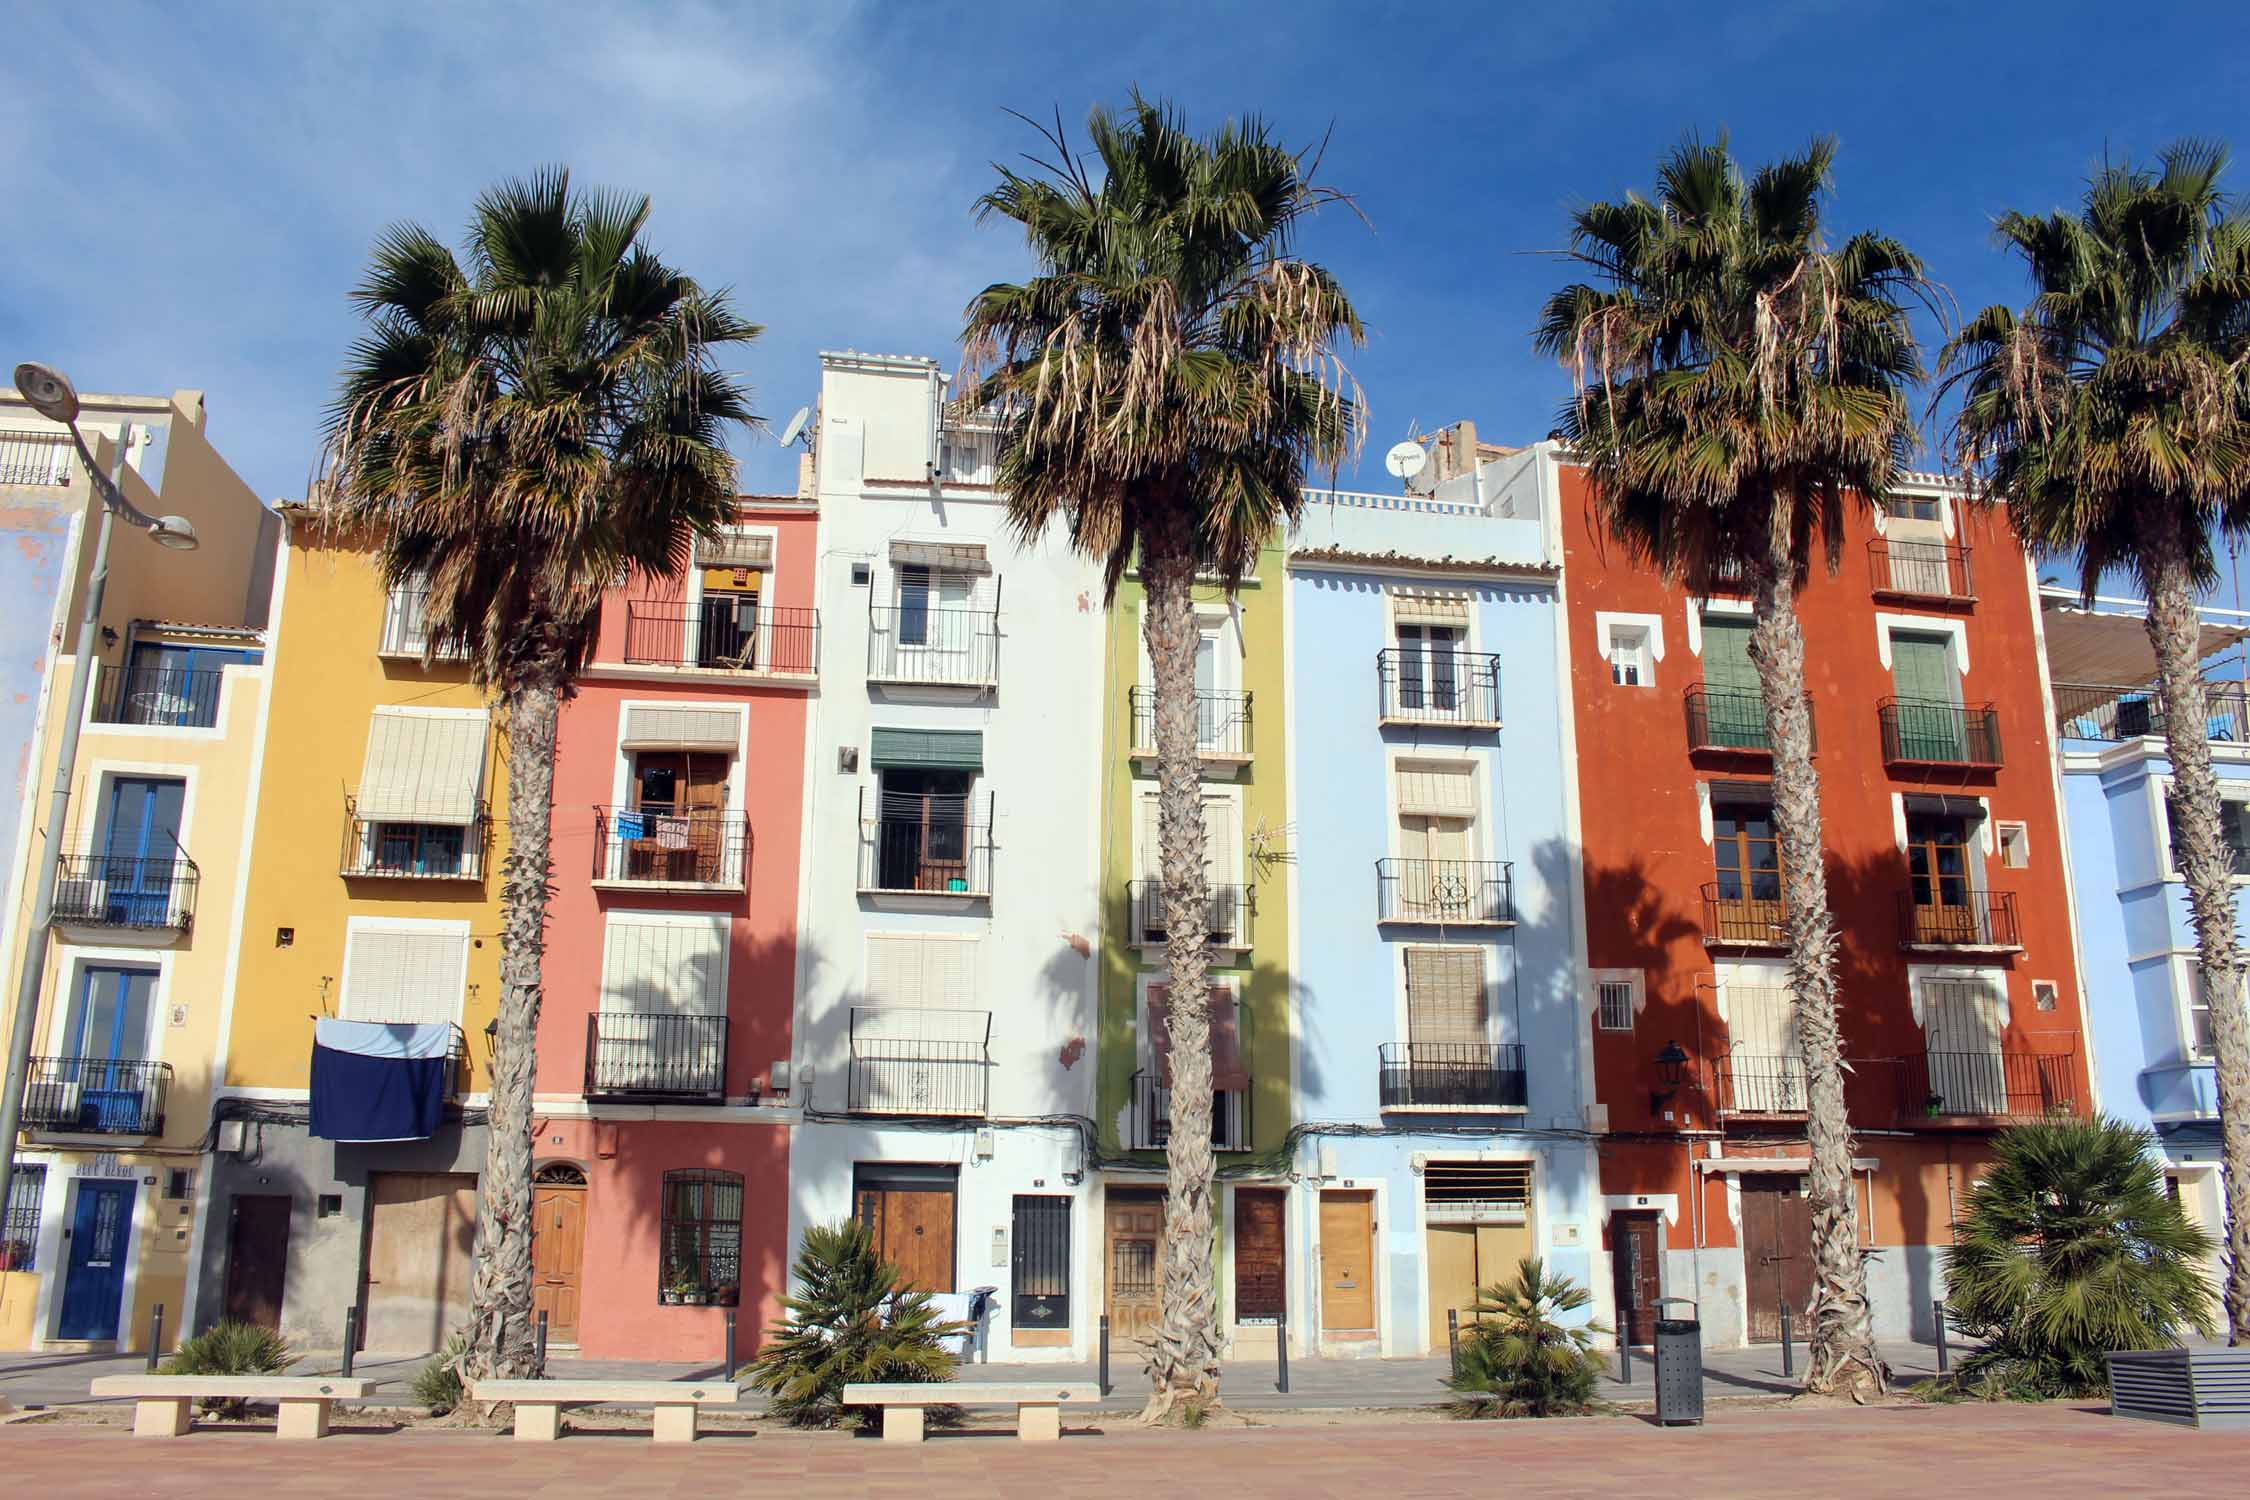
(404, 633)
(661, 1026)
(421, 789)
(676, 827)
(922, 971)
(2234, 832)
(2015, 845)
(2199, 1014)
(1222, 865)
(404, 973)
(2046, 995)
(1938, 873)
(1432, 633)
(1039, 1261)
(1628, 653)
(414, 849)
(19, 1236)
(174, 684)
(702, 1238)
(179, 1182)
(1616, 999)
(1446, 1004)
(1745, 854)
(1913, 507)
(1928, 722)
(1963, 1020)
(920, 590)
(922, 836)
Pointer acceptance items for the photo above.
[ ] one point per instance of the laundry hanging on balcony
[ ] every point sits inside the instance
(373, 1081)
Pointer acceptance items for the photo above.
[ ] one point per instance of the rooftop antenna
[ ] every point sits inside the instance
(796, 427)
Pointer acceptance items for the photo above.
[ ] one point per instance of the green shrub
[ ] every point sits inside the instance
(2068, 1249)
(437, 1384)
(1518, 1360)
(231, 1349)
(847, 1322)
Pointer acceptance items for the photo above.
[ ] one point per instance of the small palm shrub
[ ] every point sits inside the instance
(1518, 1359)
(231, 1349)
(847, 1322)
(437, 1385)
(2070, 1248)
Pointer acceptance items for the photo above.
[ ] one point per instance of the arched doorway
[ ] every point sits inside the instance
(558, 1246)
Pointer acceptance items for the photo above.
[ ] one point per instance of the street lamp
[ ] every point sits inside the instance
(1671, 1066)
(50, 393)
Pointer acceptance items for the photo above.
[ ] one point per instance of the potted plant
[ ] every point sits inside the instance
(684, 1287)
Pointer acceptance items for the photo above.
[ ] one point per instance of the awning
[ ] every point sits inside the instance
(928, 749)
(735, 550)
(422, 767)
(1437, 789)
(651, 726)
(1940, 806)
(2110, 645)
(1410, 608)
(1227, 1071)
(952, 557)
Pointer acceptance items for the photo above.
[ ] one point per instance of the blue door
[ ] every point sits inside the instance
(106, 1050)
(94, 1278)
(141, 849)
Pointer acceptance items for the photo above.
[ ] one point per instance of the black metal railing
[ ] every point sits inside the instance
(1438, 687)
(1750, 1084)
(1734, 719)
(907, 1061)
(935, 847)
(1738, 920)
(1152, 1115)
(2106, 711)
(1959, 919)
(387, 849)
(656, 1055)
(942, 646)
(1230, 908)
(115, 890)
(1919, 569)
(1989, 1085)
(168, 697)
(1452, 1075)
(765, 640)
(1222, 722)
(1921, 731)
(96, 1095)
(1444, 890)
(657, 846)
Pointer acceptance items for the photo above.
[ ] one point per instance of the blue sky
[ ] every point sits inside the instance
(192, 189)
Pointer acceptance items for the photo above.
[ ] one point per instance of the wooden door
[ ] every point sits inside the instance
(1450, 1259)
(1776, 1254)
(421, 1239)
(257, 1258)
(690, 786)
(1133, 1252)
(1259, 1235)
(1347, 1262)
(1637, 1266)
(558, 1245)
(913, 1229)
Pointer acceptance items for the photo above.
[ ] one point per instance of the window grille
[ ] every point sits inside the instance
(702, 1238)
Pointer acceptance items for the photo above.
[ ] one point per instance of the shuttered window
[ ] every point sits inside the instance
(403, 975)
(665, 963)
(1222, 840)
(1437, 788)
(1727, 667)
(1228, 1072)
(1445, 998)
(663, 726)
(422, 767)
(933, 749)
(914, 971)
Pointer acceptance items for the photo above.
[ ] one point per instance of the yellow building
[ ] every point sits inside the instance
(373, 896)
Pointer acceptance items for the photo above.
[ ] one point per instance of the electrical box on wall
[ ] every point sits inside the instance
(860, 575)
(999, 1244)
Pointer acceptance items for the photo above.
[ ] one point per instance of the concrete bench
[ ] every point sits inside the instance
(539, 1403)
(161, 1401)
(1038, 1404)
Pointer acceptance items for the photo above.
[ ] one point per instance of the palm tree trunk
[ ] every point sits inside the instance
(502, 1343)
(1183, 1365)
(1841, 1357)
(2201, 853)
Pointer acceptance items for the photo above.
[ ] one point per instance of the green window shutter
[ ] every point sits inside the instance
(1922, 667)
(1726, 655)
(928, 749)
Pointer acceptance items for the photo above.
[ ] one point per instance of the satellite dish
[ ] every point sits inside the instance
(796, 426)
(1406, 460)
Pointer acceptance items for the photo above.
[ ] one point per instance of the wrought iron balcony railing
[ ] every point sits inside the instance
(1988, 1085)
(1442, 891)
(1733, 720)
(937, 645)
(1968, 919)
(1750, 1084)
(1920, 570)
(1457, 688)
(1222, 723)
(656, 1055)
(2099, 711)
(1732, 918)
(1919, 731)
(96, 1095)
(384, 849)
(930, 846)
(1152, 1115)
(113, 890)
(659, 846)
(1230, 908)
(1452, 1075)
(907, 1061)
(166, 697)
(767, 640)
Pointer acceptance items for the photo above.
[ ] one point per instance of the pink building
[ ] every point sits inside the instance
(664, 1046)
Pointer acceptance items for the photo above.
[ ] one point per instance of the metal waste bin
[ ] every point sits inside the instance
(1679, 1364)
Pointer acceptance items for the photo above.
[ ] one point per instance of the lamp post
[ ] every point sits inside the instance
(50, 393)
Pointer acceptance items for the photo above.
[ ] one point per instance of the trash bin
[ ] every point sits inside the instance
(1679, 1364)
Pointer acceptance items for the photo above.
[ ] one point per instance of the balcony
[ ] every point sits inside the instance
(1732, 721)
(32, 457)
(1445, 892)
(1980, 919)
(113, 890)
(649, 1057)
(1753, 1085)
(907, 1061)
(2099, 711)
(1222, 726)
(1452, 1076)
(1920, 732)
(1152, 1115)
(933, 646)
(1230, 908)
(784, 642)
(1733, 920)
(96, 1096)
(658, 848)
(1442, 689)
(925, 846)
(385, 849)
(1919, 570)
(158, 697)
(1985, 1086)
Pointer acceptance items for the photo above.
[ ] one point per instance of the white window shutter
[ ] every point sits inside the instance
(404, 976)
(1438, 789)
(423, 767)
(916, 972)
(672, 964)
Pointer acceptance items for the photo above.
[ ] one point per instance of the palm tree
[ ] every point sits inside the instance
(2112, 417)
(1739, 388)
(514, 431)
(1166, 379)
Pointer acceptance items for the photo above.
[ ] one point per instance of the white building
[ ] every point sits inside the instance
(945, 987)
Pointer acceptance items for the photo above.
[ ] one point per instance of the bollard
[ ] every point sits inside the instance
(1625, 1358)
(542, 1341)
(1788, 1364)
(1938, 1308)
(351, 1337)
(155, 1337)
(1105, 1354)
(1281, 1351)
(730, 1345)
(1453, 1339)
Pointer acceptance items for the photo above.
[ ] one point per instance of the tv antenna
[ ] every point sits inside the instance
(796, 427)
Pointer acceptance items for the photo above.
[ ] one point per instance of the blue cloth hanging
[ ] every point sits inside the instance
(377, 1082)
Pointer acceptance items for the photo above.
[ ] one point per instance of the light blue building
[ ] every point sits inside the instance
(2146, 1010)
(1441, 1068)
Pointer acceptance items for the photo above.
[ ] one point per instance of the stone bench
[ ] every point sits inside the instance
(161, 1401)
(539, 1403)
(1038, 1404)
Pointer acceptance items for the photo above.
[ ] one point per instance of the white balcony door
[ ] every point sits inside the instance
(1769, 1065)
(1961, 1020)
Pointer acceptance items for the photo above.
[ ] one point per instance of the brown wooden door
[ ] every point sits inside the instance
(1776, 1254)
(558, 1245)
(257, 1258)
(1258, 1239)
(421, 1241)
(1347, 1256)
(1133, 1248)
(1638, 1267)
(913, 1230)
(692, 786)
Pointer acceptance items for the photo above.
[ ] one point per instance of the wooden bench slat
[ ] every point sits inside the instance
(272, 1387)
(621, 1392)
(968, 1393)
